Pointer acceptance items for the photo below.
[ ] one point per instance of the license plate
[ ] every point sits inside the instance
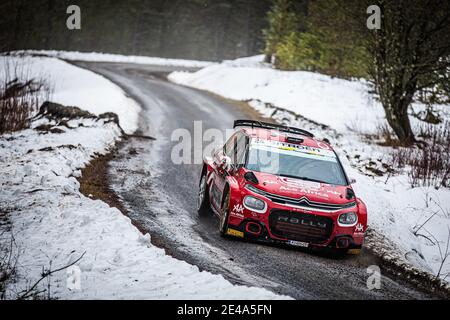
(298, 244)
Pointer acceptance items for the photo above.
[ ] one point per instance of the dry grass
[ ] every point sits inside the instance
(429, 161)
(9, 254)
(386, 137)
(20, 97)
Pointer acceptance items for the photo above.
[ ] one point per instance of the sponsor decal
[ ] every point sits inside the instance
(237, 215)
(298, 244)
(238, 211)
(305, 222)
(323, 145)
(288, 189)
(307, 187)
(301, 210)
(235, 233)
(238, 208)
(333, 192)
(302, 184)
(299, 150)
(359, 228)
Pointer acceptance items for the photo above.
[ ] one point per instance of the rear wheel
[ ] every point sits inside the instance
(203, 205)
(223, 223)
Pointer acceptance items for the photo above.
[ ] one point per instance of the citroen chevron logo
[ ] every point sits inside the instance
(304, 200)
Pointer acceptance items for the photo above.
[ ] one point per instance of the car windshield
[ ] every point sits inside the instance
(295, 161)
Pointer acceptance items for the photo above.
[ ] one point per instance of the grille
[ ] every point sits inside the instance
(300, 226)
(304, 202)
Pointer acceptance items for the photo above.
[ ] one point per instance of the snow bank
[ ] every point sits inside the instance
(106, 57)
(74, 86)
(395, 210)
(54, 224)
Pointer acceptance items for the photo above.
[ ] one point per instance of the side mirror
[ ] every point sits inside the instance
(225, 164)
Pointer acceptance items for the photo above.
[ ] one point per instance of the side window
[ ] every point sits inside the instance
(228, 148)
(235, 148)
(241, 149)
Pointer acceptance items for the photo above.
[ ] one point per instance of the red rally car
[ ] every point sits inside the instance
(279, 184)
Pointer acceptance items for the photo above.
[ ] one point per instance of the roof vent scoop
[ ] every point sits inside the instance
(250, 177)
(350, 194)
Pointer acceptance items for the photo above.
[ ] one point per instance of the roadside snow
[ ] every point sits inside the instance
(54, 224)
(74, 86)
(315, 96)
(116, 58)
(307, 100)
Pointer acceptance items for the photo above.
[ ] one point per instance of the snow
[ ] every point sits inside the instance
(307, 99)
(74, 86)
(315, 96)
(54, 224)
(116, 58)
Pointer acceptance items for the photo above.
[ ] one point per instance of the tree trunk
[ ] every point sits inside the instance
(268, 58)
(397, 117)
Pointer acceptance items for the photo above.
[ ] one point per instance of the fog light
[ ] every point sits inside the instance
(342, 243)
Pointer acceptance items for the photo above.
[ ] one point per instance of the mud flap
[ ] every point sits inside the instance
(235, 233)
(354, 252)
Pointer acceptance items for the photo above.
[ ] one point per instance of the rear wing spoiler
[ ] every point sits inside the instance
(271, 126)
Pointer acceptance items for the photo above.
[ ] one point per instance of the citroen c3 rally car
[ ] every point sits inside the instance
(279, 184)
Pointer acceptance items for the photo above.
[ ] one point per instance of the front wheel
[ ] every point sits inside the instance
(203, 205)
(223, 224)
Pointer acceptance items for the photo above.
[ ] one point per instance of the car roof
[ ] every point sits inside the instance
(276, 135)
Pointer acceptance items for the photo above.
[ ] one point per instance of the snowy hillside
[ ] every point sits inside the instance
(412, 225)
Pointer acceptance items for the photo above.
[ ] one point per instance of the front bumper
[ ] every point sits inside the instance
(296, 227)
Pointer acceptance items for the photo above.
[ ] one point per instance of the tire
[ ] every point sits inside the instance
(203, 205)
(223, 223)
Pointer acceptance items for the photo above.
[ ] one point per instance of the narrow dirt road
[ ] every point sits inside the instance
(161, 197)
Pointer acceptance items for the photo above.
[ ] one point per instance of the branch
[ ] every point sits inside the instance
(47, 274)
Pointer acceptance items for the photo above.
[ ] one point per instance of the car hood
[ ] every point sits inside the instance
(296, 188)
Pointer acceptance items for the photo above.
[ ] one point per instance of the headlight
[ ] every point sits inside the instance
(254, 189)
(255, 204)
(348, 219)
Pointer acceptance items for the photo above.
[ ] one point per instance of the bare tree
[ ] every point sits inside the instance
(412, 46)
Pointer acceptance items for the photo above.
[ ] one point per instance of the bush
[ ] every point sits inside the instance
(299, 52)
(318, 53)
(310, 37)
(20, 97)
(429, 164)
